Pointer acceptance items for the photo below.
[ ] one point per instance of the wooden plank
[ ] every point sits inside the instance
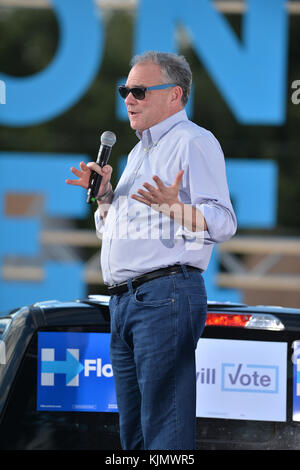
(238, 244)
(93, 276)
(37, 274)
(45, 4)
(266, 282)
(84, 238)
(237, 281)
(22, 273)
(261, 245)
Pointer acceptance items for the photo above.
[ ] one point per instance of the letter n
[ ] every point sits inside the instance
(251, 73)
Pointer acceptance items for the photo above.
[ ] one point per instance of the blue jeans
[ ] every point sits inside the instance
(154, 333)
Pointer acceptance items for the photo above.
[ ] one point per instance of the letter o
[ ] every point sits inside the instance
(245, 379)
(107, 370)
(45, 95)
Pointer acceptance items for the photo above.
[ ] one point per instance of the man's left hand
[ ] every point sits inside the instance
(165, 199)
(162, 196)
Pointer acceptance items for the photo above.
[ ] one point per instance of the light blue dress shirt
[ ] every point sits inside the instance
(137, 239)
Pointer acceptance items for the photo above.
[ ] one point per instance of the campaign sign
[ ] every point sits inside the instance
(74, 372)
(241, 379)
(296, 381)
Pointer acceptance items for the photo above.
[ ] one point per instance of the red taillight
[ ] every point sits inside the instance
(227, 319)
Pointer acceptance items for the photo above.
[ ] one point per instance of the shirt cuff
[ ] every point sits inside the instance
(221, 222)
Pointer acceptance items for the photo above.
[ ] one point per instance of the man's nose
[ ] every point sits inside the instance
(130, 99)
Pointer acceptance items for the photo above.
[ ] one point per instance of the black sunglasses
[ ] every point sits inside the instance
(139, 92)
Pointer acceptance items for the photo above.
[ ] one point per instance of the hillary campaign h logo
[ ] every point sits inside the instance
(70, 367)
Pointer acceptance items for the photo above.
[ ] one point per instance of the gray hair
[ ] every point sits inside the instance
(174, 68)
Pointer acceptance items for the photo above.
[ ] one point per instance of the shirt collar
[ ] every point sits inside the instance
(151, 136)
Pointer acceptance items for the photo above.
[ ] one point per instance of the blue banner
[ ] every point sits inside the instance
(74, 372)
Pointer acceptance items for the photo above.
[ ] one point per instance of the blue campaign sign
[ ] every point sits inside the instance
(74, 372)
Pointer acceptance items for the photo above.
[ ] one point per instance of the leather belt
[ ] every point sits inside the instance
(137, 281)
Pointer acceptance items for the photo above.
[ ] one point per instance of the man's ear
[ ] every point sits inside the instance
(176, 94)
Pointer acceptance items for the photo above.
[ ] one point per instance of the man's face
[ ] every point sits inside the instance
(157, 104)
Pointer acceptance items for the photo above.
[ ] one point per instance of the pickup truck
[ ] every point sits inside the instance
(57, 389)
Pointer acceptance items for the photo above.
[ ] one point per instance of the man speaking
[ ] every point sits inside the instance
(158, 229)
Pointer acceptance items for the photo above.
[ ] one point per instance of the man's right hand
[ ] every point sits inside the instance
(84, 176)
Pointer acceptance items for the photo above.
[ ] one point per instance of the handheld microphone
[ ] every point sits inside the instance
(108, 139)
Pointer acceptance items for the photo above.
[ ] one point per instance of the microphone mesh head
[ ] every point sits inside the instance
(108, 138)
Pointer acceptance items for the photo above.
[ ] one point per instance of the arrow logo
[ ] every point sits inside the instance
(71, 366)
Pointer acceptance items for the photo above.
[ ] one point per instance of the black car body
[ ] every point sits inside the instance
(241, 422)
